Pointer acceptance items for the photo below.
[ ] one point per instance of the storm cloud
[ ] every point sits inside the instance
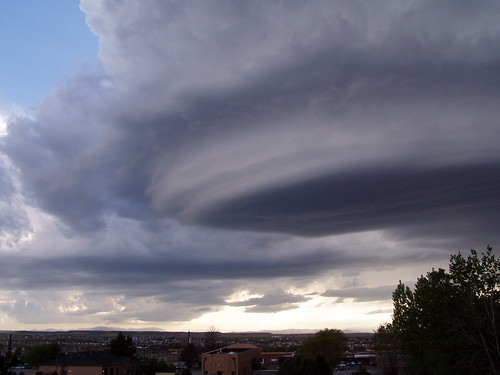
(221, 145)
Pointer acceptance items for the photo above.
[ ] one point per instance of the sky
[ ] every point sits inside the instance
(246, 165)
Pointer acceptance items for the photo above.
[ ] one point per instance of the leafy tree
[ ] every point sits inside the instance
(478, 283)
(124, 346)
(190, 355)
(42, 353)
(151, 367)
(361, 371)
(10, 360)
(212, 339)
(449, 323)
(330, 344)
(3, 365)
(387, 347)
(16, 357)
(300, 365)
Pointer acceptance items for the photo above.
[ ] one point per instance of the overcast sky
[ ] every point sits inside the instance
(247, 165)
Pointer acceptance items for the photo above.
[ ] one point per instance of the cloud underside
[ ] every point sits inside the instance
(272, 302)
(228, 146)
(361, 294)
(366, 200)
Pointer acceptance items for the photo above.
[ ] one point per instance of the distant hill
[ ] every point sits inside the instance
(111, 331)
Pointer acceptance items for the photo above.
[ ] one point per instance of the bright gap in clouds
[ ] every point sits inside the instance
(3, 125)
(316, 314)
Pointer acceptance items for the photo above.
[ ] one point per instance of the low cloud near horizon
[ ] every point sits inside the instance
(255, 157)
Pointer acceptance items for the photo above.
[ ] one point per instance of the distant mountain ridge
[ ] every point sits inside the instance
(114, 330)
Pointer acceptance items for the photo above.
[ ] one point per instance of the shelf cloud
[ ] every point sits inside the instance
(220, 144)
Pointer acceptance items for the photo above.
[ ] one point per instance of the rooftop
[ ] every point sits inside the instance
(98, 358)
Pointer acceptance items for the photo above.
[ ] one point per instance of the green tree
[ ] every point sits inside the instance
(190, 355)
(3, 365)
(16, 357)
(361, 371)
(300, 365)
(152, 366)
(330, 344)
(387, 348)
(123, 345)
(449, 323)
(42, 353)
(478, 282)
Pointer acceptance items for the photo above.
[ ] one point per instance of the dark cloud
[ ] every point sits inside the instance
(386, 102)
(371, 199)
(271, 302)
(74, 172)
(366, 294)
(126, 274)
(182, 282)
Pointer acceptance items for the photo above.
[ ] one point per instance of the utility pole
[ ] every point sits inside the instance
(189, 354)
(8, 358)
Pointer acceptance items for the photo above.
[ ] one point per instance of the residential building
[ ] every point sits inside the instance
(236, 359)
(272, 360)
(90, 363)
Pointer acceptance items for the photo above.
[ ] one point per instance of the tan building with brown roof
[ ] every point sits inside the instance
(90, 363)
(236, 359)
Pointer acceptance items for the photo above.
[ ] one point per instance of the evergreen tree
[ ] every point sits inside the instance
(124, 346)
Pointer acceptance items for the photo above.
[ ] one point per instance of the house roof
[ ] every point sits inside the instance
(89, 359)
(241, 346)
(233, 349)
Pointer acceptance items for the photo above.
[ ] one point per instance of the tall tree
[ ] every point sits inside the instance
(387, 347)
(449, 323)
(42, 353)
(478, 280)
(300, 365)
(153, 366)
(190, 355)
(212, 339)
(123, 345)
(330, 344)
